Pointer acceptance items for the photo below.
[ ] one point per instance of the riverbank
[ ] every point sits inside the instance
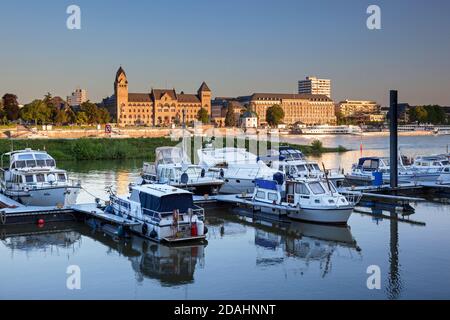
(116, 149)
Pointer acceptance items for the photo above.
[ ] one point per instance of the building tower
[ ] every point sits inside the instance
(121, 93)
(204, 94)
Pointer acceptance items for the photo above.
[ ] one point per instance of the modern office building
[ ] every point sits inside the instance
(77, 97)
(314, 85)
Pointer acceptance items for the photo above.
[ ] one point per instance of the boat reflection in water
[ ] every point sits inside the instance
(283, 239)
(170, 265)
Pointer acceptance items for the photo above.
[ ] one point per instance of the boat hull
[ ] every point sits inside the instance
(47, 197)
(327, 216)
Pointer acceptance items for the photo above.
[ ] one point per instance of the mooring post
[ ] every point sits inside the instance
(393, 119)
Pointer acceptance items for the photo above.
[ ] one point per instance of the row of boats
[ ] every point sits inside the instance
(160, 204)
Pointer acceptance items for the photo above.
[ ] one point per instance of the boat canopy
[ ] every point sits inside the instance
(369, 163)
(266, 184)
(168, 203)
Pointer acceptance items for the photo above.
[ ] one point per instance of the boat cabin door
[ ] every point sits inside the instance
(290, 188)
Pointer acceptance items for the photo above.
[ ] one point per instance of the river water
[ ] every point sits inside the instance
(246, 257)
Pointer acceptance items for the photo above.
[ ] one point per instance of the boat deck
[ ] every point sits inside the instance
(91, 210)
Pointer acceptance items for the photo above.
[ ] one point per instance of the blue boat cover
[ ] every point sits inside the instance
(266, 184)
(169, 203)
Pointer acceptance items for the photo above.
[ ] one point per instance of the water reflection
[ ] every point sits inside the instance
(284, 239)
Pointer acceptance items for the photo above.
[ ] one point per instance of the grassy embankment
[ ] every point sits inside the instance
(115, 149)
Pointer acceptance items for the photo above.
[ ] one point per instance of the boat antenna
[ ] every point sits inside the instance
(326, 178)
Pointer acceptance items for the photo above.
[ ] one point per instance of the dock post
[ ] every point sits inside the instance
(393, 128)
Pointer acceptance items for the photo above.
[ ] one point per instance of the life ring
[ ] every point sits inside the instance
(144, 229)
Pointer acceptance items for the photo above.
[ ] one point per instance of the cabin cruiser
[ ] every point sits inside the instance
(444, 178)
(162, 213)
(32, 179)
(172, 167)
(364, 172)
(429, 168)
(308, 199)
(237, 167)
(293, 164)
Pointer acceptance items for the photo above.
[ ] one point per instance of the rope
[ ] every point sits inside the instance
(93, 195)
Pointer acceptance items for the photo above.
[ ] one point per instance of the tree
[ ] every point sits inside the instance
(61, 117)
(230, 119)
(91, 111)
(82, 118)
(71, 115)
(103, 116)
(203, 116)
(37, 112)
(11, 106)
(418, 114)
(275, 115)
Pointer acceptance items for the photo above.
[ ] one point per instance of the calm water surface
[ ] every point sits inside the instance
(245, 258)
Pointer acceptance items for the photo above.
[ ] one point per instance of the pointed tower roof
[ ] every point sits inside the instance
(119, 72)
(204, 87)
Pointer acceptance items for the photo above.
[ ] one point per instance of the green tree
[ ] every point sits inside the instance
(37, 112)
(61, 117)
(230, 119)
(71, 115)
(418, 114)
(275, 115)
(91, 111)
(103, 116)
(317, 146)
(11, 106)
(82, 118)
(203, 116)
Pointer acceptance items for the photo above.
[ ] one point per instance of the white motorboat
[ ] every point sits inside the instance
(429, 168)
(31, 178)
(444, 178)
(163, 213)
(310, 200)
(365, 171)
(172, 167)
(294, 165)
(237, 167)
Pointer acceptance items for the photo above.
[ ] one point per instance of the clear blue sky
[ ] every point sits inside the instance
(237, 46)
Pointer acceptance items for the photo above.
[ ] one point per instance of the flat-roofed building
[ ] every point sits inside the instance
(349, 108)
(298, 108)
(314, 85)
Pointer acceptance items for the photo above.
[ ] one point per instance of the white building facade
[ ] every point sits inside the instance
(314, 85)
(78, 97)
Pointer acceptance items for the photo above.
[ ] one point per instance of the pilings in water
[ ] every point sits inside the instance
(393, 119)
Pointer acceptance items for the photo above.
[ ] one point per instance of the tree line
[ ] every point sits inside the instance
(433, 114)
(51, 110)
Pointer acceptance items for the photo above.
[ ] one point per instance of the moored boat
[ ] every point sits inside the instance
(164, 213)
(32, 179)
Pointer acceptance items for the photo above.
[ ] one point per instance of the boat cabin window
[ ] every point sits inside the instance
(370, 164)
(314, 167)
(329, 186)
(61, 177)
(301, 168)
(261, 195)
(292, 170)
(301, 188)
(272, 196)
(194, 172)
(50, 163)
(447, 169)
(317, 188)
(31, 163)
(29, 179)
(40, 177)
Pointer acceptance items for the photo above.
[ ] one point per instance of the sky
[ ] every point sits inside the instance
(237, 46)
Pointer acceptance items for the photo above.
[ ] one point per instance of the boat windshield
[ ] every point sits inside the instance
(194, 172)
(317, 188)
